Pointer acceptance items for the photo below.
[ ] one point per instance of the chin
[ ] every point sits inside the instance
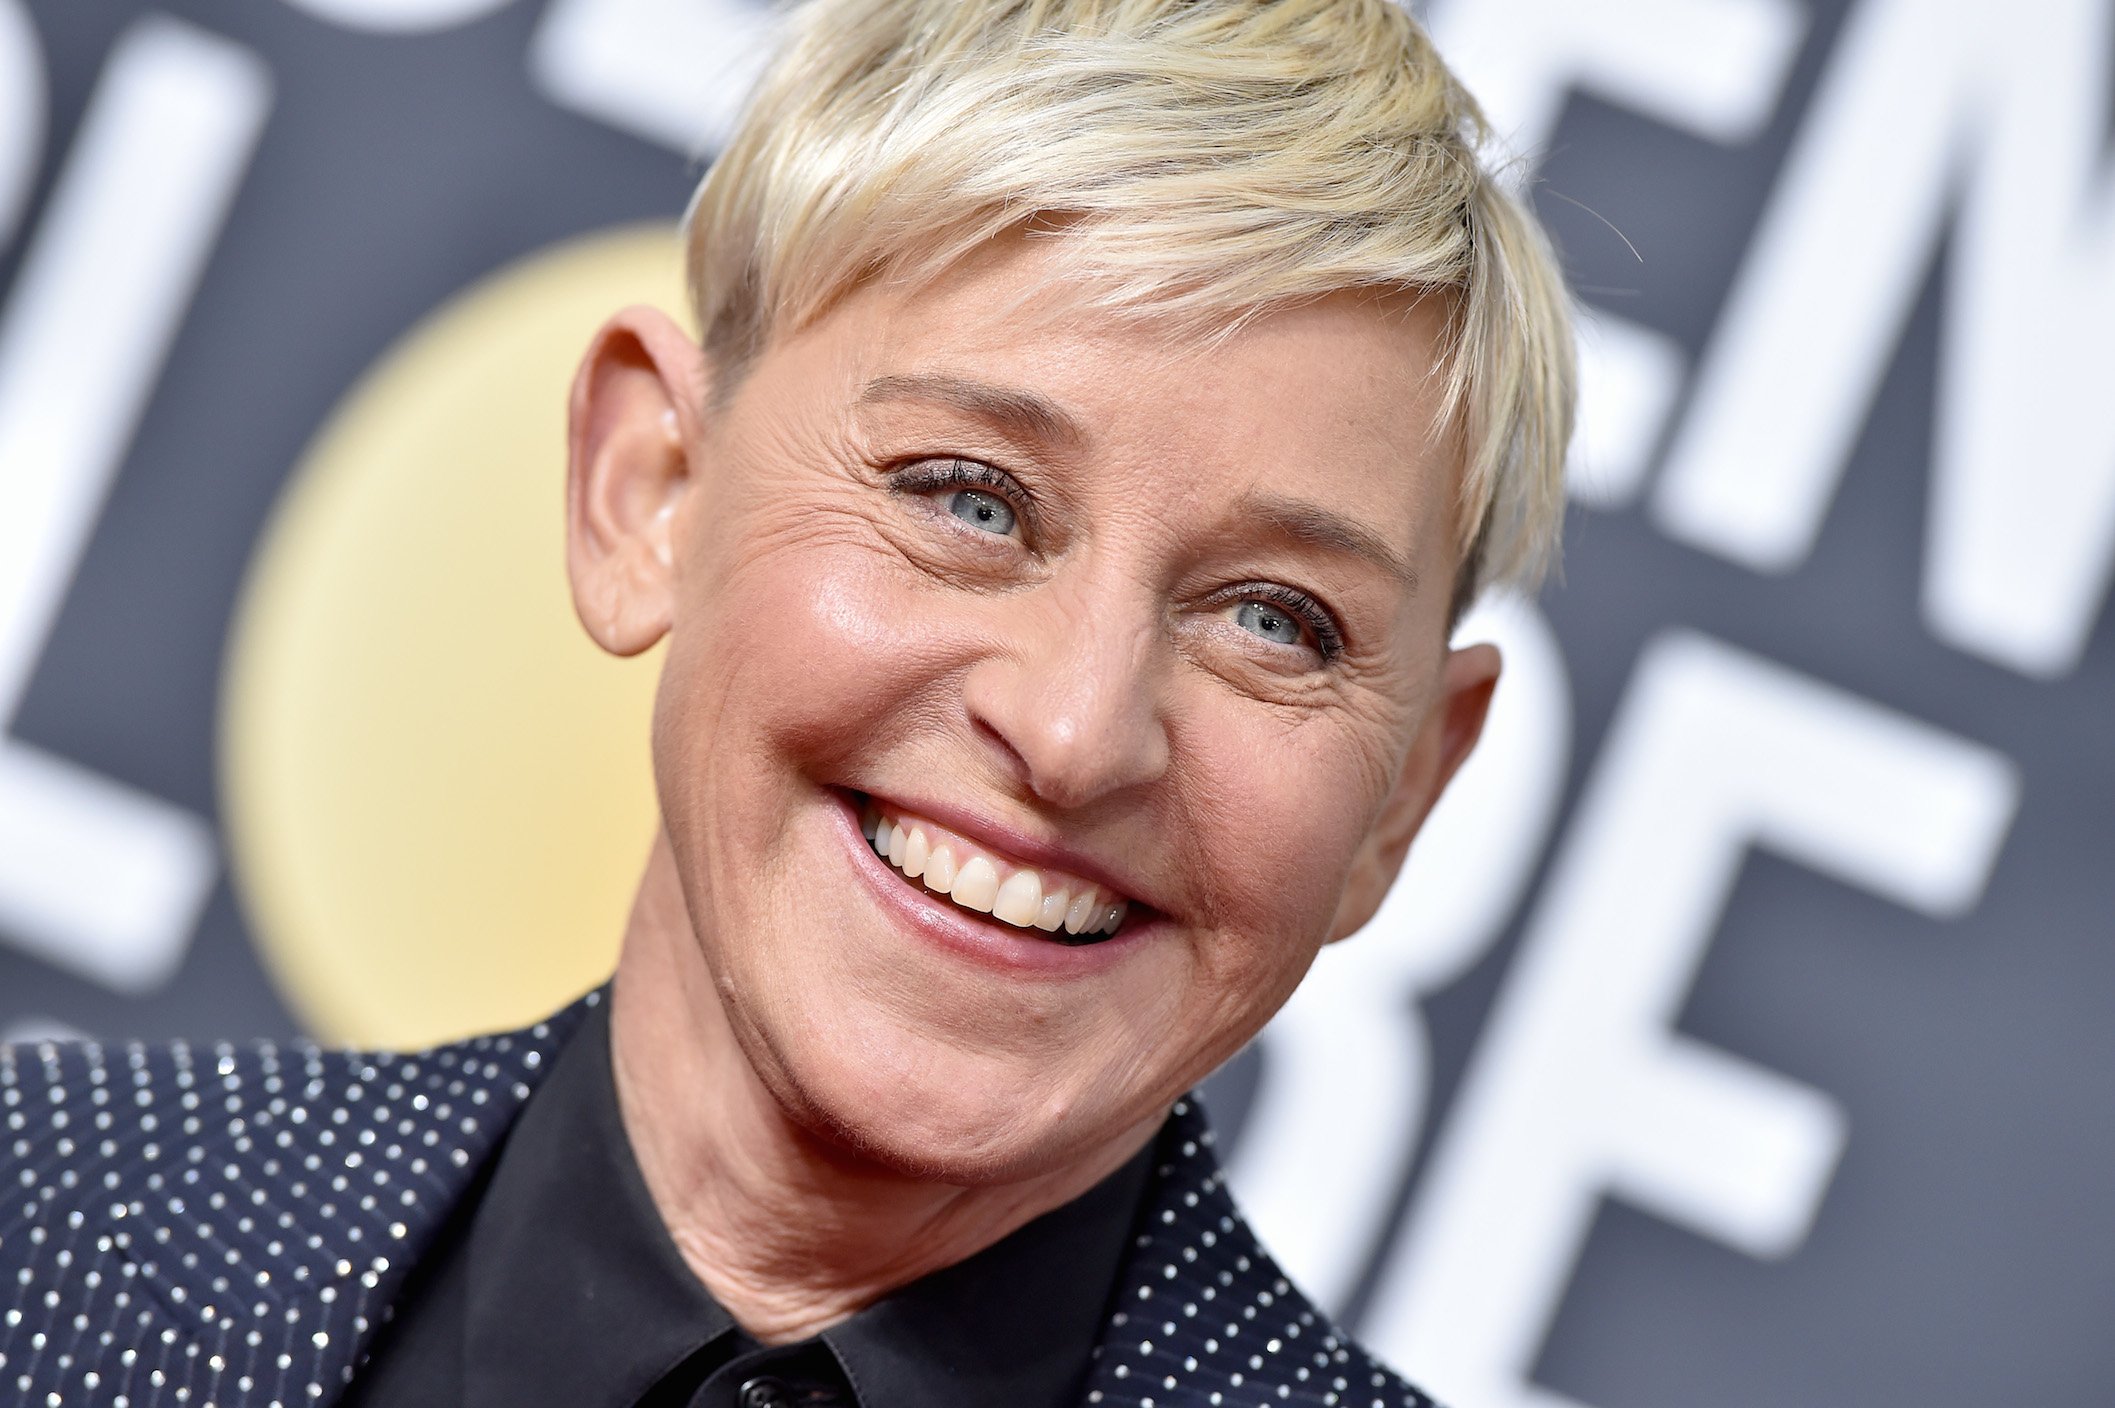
(940, 1114)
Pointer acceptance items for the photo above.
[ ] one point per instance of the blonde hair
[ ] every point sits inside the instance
(1210, 158)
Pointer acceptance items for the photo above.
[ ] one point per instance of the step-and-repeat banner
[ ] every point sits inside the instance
(1744, 1026)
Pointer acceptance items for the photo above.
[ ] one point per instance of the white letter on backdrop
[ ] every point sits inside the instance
(1919, 93)
(1712, 67)
(671, 71)
(1579, 1087)
(399, 16)
(94, 876)
(21, 112)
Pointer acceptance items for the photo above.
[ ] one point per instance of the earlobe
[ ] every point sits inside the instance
(1468, 679)
(635, 411)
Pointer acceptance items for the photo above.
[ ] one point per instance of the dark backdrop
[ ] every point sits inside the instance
(1742, 1036)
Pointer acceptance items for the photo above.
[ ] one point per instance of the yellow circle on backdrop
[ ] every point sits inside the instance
(436, 790)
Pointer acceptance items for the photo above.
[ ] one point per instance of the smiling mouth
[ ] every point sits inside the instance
(1070, 910)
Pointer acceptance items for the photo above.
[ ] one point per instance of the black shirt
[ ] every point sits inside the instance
(556, 1284)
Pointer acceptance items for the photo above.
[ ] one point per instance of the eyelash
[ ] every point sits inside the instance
(924, 476)
(1329, 638)
(950, 472)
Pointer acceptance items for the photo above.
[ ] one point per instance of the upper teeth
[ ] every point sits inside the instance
(985, 881)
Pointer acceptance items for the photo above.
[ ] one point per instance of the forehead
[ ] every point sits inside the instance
(1337, 399)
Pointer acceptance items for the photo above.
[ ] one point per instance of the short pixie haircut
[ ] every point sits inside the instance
(1207, 158)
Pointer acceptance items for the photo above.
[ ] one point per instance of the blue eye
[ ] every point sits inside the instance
(1267, 621)
(981, 510)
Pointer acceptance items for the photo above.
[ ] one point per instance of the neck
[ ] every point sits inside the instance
(789, 1231)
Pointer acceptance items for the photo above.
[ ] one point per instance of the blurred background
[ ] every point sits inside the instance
(1743, 1028)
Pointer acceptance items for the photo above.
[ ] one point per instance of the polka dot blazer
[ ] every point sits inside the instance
(227, 1226)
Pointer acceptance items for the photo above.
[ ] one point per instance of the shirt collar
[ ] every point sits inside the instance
(577, 1294)
(1014, 1324)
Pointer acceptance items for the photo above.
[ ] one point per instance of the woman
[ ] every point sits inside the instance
(1104, 409)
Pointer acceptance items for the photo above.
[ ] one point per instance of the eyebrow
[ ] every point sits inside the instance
(1023, 414)
(1324, 528)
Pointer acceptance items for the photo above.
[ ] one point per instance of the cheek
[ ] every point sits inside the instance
(809, 647)
(1279, 815)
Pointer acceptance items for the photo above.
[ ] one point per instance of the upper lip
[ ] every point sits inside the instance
(1015, 843)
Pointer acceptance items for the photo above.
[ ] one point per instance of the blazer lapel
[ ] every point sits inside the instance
(250, 1219)
(1203, 1318)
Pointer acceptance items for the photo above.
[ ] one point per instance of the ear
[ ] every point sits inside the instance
(636, 416)
(1444, 740)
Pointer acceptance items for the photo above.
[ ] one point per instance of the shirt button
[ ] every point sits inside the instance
(765, 1392)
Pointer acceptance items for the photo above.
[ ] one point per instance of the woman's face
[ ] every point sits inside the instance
(1128, 625)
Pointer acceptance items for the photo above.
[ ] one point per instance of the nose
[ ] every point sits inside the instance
(1072, 698)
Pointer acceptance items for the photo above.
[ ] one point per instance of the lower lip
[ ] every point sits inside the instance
(989, 942)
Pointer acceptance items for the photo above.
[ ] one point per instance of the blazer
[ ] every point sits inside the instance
(227, 1227)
